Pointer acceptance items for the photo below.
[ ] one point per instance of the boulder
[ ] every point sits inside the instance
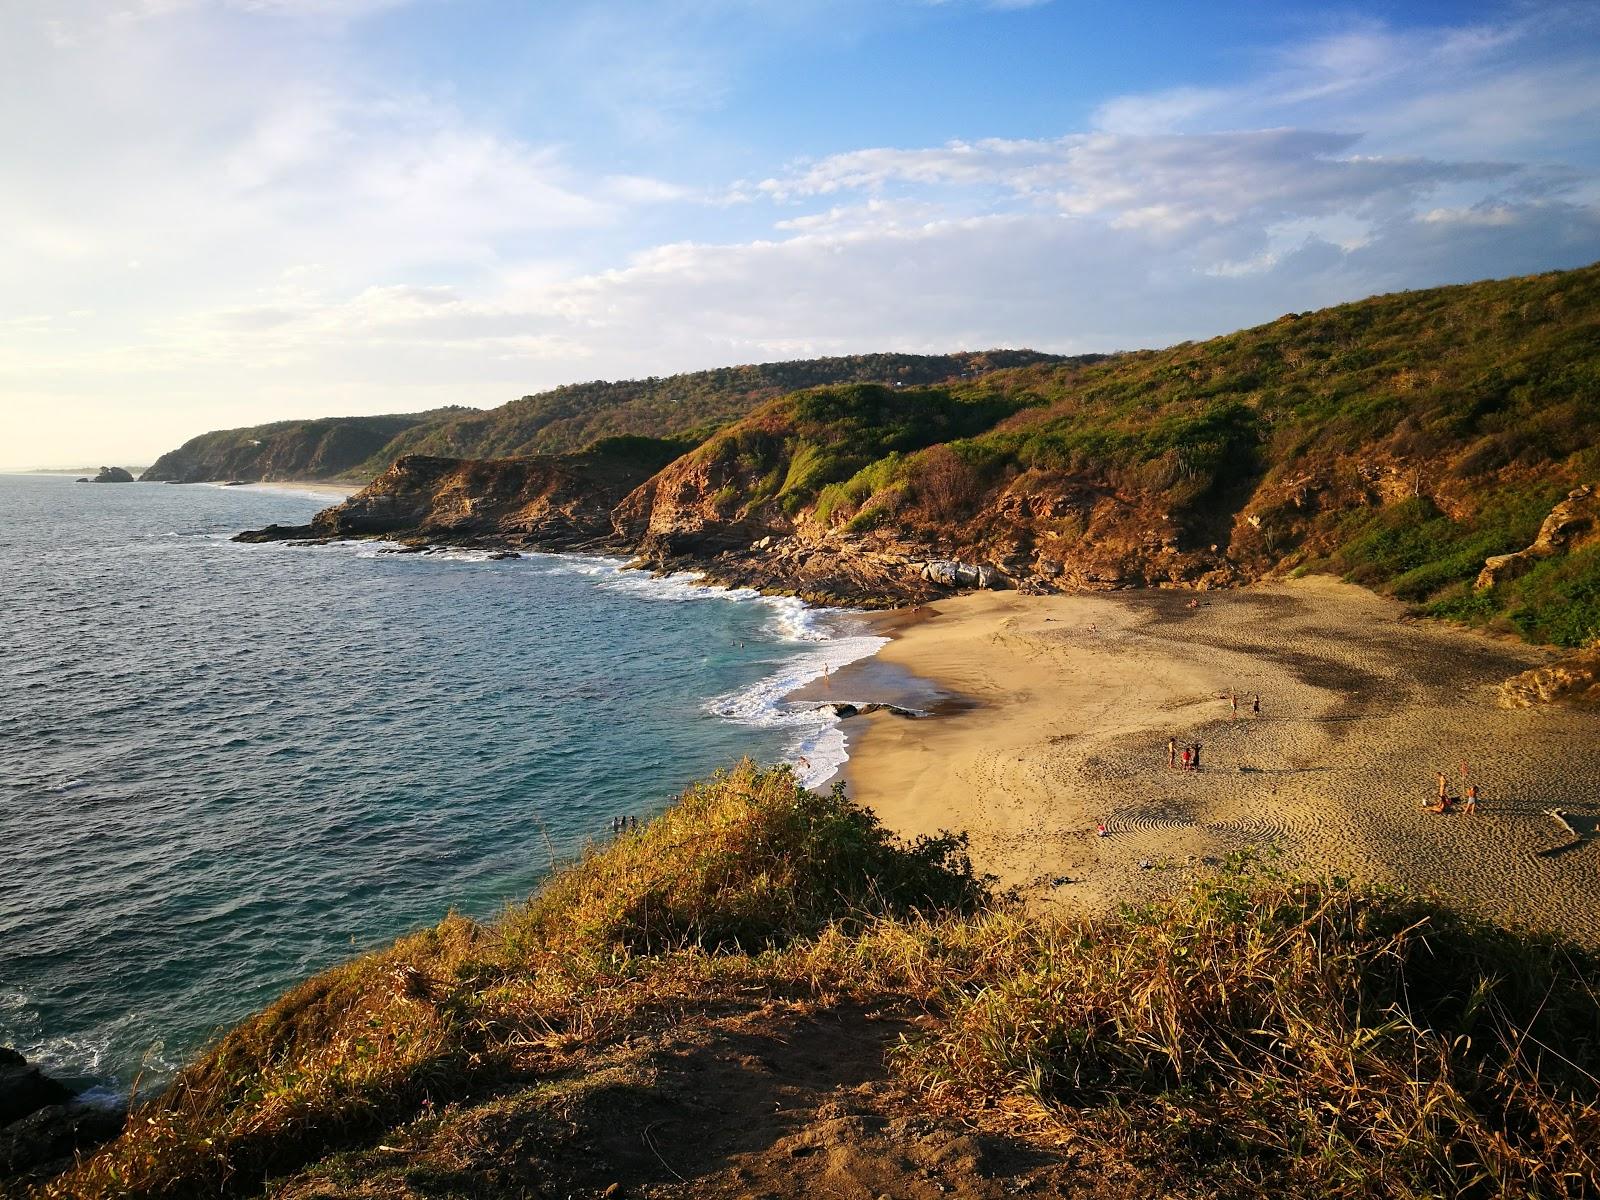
(951, 573)
(1572, 680)
(24, 1088)
(112, 475)
(49, 1137)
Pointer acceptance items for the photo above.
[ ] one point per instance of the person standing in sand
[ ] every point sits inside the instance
(1186, 753)
(1172, 753)
(1469, 804)
(1444, 788)
(1195, 763)
(1233, 702)
(1255, 705)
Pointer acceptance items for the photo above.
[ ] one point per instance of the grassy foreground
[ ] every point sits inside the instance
(1254, 1034)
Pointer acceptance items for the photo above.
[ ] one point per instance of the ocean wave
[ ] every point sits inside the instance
(817, 748)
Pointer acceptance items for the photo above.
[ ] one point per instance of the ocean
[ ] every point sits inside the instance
(224, 767)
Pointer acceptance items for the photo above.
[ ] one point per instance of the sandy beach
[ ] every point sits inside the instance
(333, 493)
(1058, 710)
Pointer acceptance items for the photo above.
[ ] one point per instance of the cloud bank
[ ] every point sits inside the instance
(197, 236)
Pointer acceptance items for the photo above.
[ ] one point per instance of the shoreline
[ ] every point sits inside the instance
(313, 489)
(1067, 702)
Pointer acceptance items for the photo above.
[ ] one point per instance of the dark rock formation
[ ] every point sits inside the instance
(41, 1124)
(112, 475)
(44, 1142)
(24, 1088)
(275, 533)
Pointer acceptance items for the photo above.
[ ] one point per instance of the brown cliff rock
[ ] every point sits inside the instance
(1572, 680)
(1572, 524)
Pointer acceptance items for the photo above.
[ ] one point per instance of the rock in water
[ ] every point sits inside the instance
(41, 1124)
(25, 1089)
(44, 1142)
(112, 475)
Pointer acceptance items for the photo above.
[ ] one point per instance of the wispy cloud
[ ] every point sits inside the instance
(212, 237)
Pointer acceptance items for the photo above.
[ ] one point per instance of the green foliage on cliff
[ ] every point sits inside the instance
(1311, 1038)
(1399, 440)
(696, 403)
(327, 448)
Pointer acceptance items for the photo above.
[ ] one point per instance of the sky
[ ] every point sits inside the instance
(216, 213)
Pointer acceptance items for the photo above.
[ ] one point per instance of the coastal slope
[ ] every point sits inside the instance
(1440, 446)
(560, 421)
(763, 994)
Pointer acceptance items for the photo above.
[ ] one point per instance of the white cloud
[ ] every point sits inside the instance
(310, 236)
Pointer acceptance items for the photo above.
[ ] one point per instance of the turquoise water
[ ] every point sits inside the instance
(223, 767)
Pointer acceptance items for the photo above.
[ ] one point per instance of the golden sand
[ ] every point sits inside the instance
(1076, 696)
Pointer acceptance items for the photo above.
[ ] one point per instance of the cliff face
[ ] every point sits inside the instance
(550, 501)
(1421, 444)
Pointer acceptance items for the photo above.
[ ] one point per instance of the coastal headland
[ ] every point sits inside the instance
(1071, 701)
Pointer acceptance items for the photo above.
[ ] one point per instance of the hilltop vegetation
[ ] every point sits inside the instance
(559, 421)
(327, 448)
(693, 404)
(1254, 1035)
(1400, 441)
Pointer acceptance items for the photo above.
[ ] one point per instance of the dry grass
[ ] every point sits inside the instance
(1256, 1034)
(1265, 1035)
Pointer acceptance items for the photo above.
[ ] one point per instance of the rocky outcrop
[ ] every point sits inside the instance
(1572, 524)
(41, 1123)
(1572, 680)
(706, 502)
(954, 574)
(112, 475)
(24, 1088)
(541, 501)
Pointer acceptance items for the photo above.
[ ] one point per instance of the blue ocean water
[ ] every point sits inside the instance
(225, 766)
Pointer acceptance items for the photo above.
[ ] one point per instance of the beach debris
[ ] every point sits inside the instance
(1574, 837)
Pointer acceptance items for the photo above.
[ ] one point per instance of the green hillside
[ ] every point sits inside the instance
(1399, 441)
(569, 418)
(325, 448)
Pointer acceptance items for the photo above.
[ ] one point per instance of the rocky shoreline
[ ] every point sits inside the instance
(43, 1123)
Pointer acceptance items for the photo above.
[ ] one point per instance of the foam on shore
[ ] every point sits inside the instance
(816, 747)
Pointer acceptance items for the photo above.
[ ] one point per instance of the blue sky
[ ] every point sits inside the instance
(219, 212)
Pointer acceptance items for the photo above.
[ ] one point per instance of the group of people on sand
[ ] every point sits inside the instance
(1185, 758)
(1444, 802)
(1255, 703)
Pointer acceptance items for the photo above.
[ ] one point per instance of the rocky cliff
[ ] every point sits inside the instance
(544, 501)
(1440, 445)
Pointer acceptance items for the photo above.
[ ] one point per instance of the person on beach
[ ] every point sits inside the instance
(1233, 702)
(1172, 753)
(1194, 763)
(1186, 754)
(1469, 803)
(1255, 705)
(1441, 805)
(1444, 787)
